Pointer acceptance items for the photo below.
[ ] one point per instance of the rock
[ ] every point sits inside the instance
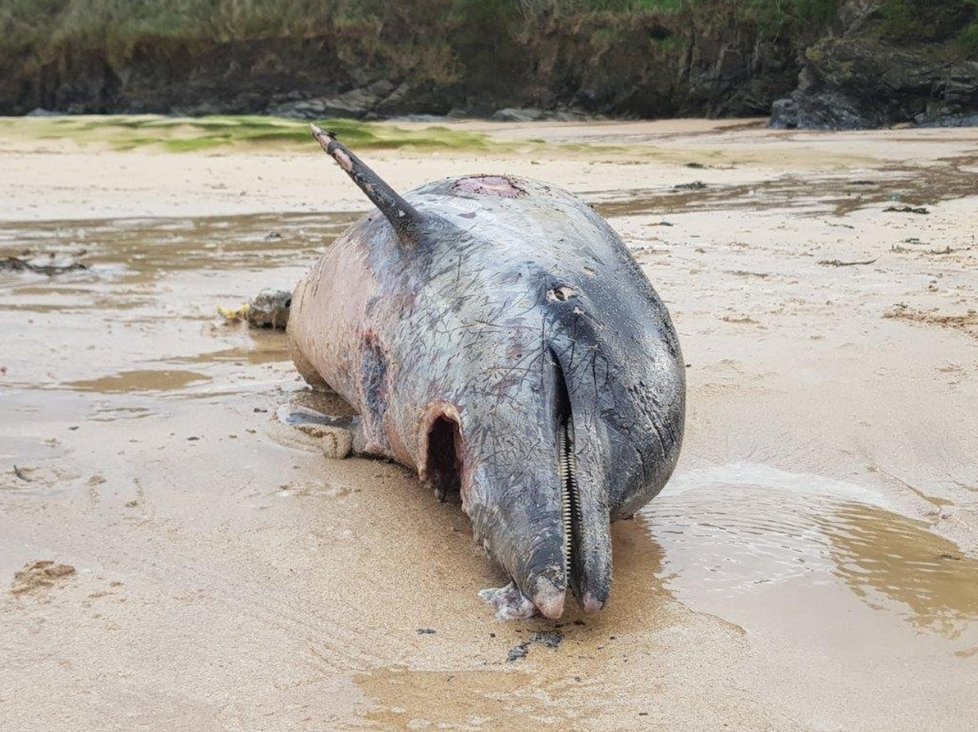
(355, 103)
(513, 114)
(269, 309)
(531, 114)
(872, 76)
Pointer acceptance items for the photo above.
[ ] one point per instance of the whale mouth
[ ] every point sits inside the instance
(544, 587)
(570, 500)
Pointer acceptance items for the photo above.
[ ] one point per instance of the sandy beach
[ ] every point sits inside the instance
(812, 565)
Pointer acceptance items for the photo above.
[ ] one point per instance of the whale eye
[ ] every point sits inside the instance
(561, 293)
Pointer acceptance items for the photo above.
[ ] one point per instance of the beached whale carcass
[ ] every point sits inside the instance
(495, 335)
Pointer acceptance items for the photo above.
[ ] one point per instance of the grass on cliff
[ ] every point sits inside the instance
(41, 26)
(215, 133)
(932, 21)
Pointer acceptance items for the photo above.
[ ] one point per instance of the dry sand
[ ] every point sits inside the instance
(813, 565)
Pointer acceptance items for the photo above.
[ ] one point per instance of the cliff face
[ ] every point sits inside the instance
(820, 63)
(889, 62)
(700, 58)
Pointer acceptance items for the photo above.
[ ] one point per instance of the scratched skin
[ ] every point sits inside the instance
(509, 284)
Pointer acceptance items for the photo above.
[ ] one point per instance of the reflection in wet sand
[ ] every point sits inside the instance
(241, 354)
(731, 529)
(886, 558)
(147, 246)
(836, 194)
(137, 381)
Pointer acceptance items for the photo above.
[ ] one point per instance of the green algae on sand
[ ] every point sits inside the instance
(220, 132)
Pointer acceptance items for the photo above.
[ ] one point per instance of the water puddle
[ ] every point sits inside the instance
(146, 380)
(813, 195)
(730, 531)
(114, 413)
(136, 252)
(144, 312)
(273, 353)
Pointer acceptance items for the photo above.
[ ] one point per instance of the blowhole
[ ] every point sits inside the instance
(561, 293)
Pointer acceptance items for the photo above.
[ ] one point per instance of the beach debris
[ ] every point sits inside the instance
(840, 263)
(19, 472)
(518, 653)
(906, 209)
(268, 309)
(550, 640)
(740, 319)
(966, 322)
(696, 185)
(233, 315)
(16, 264)
(35, 575)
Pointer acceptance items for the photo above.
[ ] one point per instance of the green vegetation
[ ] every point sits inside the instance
(175, 134)
(791, 17)
(906, 21)
(967, 40)
(117, 25)
(480, 43)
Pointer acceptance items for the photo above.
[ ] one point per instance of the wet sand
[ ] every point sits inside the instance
(813, 564)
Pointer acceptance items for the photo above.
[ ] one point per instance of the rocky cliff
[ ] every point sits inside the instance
(889, 62)
(647, 58)
(820, 63)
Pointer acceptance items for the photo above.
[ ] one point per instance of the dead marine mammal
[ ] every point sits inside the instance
(495, 335)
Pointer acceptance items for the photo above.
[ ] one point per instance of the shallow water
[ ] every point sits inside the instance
(729, 530)
(837, 194)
